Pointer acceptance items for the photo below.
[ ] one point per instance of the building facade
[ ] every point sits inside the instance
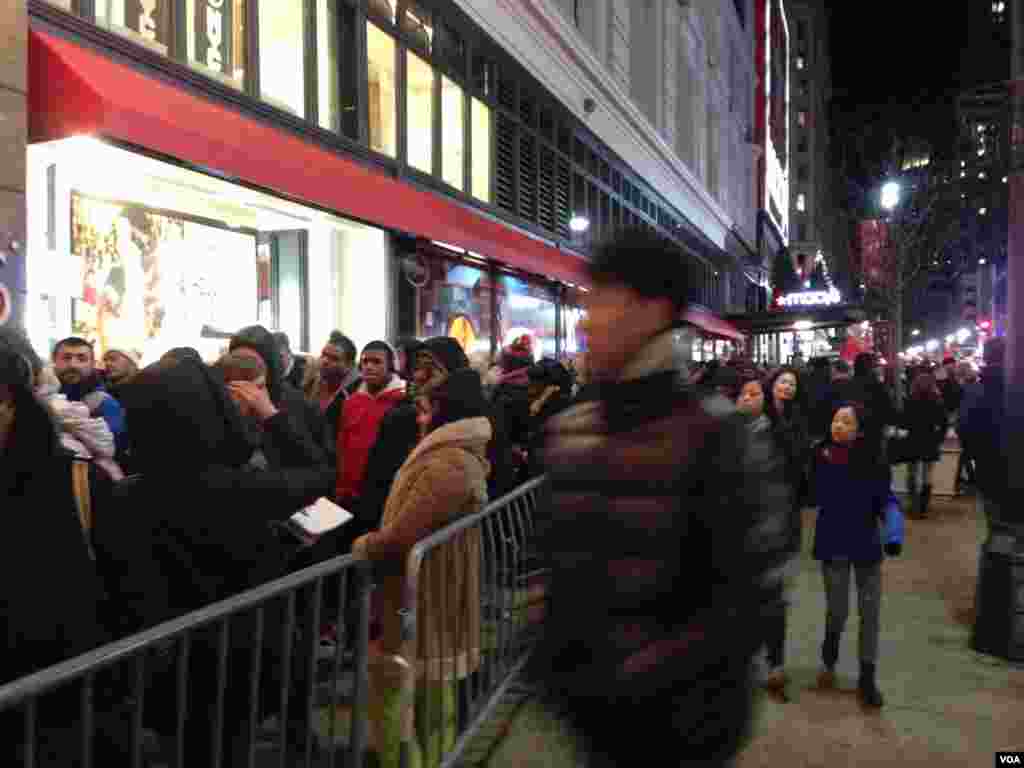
(387, 168)
(812, 209)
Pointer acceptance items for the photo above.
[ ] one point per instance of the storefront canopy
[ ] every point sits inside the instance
(74, 90)
(712, 324)
(821, 317)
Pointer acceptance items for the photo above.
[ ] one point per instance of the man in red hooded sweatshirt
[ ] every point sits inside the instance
(382, 389)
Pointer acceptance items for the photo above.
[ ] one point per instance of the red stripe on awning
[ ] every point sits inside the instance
(713, 324)
(77, 91)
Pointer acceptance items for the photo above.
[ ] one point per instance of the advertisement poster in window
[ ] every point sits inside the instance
(153, 280)
(150, 20)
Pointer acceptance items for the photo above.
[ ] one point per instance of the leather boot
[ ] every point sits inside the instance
(867, 687)
(926, 496)
(829, 657)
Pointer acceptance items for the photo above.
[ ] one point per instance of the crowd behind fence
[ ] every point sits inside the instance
(249, 682)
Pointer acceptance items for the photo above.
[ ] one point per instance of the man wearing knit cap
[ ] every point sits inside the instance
(120, 365)
(511, 395)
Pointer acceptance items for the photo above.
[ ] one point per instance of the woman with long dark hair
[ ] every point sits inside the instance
(853, 495)
(926, 419)
(784, 409)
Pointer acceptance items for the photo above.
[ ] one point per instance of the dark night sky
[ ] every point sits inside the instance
(895, 68)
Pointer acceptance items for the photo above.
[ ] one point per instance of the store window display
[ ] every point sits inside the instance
(446, 297)
(526, 308)
(152, 281)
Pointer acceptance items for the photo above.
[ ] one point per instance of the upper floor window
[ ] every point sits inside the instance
(801, 202)
(801, 30)
(801, 118)
(282, 54)
(800, 62)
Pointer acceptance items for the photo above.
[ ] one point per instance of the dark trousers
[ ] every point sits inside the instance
(775, 628)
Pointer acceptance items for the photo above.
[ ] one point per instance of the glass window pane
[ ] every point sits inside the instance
(381, 90)
(215, 34)
(145, 21)
(450, 50)
(526, 309)
(336, 78)
(282, 59)
(417, 25)
(452, 107)
(420, 113)
(452, 299)
(481, 151)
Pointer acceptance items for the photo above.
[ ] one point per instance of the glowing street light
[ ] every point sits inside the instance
(916, 332)
(963, 335)
(890, 195)
(802, 325)
(579, 223)
(931, 345)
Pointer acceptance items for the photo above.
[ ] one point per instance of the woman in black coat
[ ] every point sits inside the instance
(200, 526)
(926, 420)
(789, 427)
(51, 594)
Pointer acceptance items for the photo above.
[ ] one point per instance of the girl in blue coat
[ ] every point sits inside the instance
(854, 496)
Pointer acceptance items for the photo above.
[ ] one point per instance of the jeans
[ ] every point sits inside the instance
(922, 469)
(869, 602)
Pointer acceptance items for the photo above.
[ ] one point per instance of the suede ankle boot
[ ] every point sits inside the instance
(867, 686)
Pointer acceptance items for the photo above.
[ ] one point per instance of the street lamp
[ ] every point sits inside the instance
(916, 332)
(890, 195)
(579, 223)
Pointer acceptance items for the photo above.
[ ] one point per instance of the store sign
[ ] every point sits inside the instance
(214, 45)
(149, 19)
(811, 299)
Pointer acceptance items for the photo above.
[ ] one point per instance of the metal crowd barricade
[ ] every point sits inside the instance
(117, 721)
(490, 649)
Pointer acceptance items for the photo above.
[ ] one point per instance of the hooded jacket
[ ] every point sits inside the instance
(198, 526)
(361, 418)
(303, 415)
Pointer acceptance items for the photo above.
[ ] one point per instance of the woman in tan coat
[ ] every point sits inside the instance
(443, 480)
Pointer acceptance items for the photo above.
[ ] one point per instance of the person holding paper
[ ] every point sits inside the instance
(444, 479)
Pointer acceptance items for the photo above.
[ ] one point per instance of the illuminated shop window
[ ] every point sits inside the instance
(481, 134)
(452, 126)
(282, 55)
(381, 95)
(419, 113)
(337, 72)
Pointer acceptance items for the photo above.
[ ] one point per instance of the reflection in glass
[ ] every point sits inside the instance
(380, 49)
(526, 308)
(455, 301)
(215, 35)
(282, 55)
(481, 130)
(452, 154)
(144, 21)
(420, 113)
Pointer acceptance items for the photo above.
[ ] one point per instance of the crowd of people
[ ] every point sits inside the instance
(676, 500)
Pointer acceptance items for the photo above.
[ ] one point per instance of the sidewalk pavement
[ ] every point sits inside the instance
(945, 704)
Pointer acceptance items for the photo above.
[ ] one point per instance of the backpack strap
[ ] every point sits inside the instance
(83, 500)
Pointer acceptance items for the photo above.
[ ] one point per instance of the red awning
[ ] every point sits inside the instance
(74, 90)
(713, 324)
